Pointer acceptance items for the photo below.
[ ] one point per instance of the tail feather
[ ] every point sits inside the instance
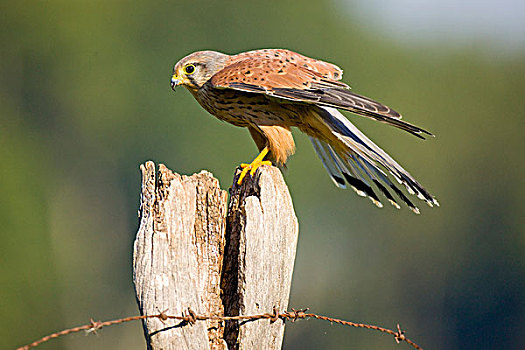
(373, 173)
(340, 172)
(354, 162)
(396, 190)
(361, 156)
(353, 176)
(328, 163)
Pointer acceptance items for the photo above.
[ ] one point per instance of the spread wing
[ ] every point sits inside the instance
(281, 78)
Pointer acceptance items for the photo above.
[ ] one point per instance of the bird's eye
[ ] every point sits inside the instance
(189, 69)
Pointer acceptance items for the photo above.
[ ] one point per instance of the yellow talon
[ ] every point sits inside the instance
(253, 166)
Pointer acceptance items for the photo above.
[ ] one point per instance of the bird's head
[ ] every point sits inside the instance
(194, 70)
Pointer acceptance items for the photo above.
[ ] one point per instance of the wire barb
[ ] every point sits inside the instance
(275, 315)
(162, 316)
(94, 326)
(190, 317)
(400, 335)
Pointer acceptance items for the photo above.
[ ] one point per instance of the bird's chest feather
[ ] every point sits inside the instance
(241, 108)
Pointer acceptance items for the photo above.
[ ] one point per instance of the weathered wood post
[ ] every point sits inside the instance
(193, 250)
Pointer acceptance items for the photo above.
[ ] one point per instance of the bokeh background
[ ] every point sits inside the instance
(85, 99)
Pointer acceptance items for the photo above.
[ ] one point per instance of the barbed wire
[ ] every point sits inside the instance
(191, 317)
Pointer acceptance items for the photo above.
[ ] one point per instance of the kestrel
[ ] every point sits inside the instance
(269, 91)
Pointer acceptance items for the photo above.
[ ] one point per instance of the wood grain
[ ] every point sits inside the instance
(186, 237)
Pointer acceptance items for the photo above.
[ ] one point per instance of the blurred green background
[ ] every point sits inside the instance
(85, 99)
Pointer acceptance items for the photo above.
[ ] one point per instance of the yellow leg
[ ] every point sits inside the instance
(257, 162)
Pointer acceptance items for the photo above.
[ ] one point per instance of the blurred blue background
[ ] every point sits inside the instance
(85, 99)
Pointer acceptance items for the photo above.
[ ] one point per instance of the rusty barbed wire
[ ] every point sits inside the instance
(191, 317)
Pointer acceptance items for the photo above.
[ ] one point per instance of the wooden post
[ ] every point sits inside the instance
(177, 256)
(193, 252)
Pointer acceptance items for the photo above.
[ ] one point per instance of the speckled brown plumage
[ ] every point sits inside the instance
(269, 91)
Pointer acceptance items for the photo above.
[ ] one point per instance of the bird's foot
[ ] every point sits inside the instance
(253, 166)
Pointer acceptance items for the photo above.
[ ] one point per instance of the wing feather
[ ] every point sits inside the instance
(289, 81)
(327, 70)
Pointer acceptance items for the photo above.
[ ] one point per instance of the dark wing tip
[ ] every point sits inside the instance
(363, 189)
(339, 180)
(386, 193)
(405, 199)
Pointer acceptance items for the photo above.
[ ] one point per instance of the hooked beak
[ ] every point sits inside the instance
(175, 81)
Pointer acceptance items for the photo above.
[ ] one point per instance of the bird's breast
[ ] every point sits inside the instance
(243, 109)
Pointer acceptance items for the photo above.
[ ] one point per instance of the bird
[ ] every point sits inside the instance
(269, 91)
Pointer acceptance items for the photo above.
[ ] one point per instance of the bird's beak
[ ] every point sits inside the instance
(175, 81)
